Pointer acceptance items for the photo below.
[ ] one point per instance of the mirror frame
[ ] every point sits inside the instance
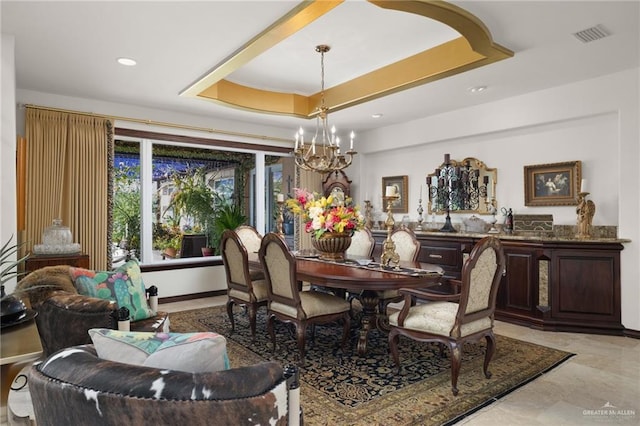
(475, 164)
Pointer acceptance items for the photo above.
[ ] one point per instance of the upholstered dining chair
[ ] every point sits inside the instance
(243, 289)
(362, 244)
(408, 248)
(288, 303)
(251, 239)
(453, 320)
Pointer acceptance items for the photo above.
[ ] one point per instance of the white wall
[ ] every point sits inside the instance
(509, 151)
(595, 121)
(7, 145)
(178, 282)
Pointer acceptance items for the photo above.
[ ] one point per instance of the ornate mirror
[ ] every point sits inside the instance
(466, 186)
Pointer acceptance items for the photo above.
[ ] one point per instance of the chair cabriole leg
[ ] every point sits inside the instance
(230, 313)
(491, 349)
(456, 360)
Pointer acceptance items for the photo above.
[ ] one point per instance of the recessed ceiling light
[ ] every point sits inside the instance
(477, 89)
(378, 115)
(127, 61)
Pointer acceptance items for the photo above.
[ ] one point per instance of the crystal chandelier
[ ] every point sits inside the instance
(323, 154)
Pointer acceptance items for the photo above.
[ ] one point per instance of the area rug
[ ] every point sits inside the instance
(339, 387)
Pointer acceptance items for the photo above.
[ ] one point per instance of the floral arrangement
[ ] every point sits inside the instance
(324, 214)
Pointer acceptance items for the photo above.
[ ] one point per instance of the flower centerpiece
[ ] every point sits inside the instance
(331, 221)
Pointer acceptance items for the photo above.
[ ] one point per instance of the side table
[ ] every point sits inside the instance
(38, 261)
(20, 346)
(19, 406)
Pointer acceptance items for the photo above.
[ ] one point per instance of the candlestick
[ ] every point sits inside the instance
(280, 219)
(389, 254)
(353, 135)
(420, 210)
(583, 186)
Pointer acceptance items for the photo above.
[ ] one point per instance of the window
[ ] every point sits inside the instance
(171, 199)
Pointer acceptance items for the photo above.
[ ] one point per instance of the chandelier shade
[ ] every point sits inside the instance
(323, 154)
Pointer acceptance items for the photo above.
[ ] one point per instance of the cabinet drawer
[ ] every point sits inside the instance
(445, 256)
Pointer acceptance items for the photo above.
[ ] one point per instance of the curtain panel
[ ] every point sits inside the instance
(69, 168)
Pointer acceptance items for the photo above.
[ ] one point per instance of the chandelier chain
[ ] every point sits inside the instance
(329, 158)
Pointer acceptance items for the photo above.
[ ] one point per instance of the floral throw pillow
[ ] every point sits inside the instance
(123, 285)
(190, 352)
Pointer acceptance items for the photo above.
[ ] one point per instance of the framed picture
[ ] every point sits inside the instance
(401, 205)
(555, 184)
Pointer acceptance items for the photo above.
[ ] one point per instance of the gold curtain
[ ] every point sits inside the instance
(311, 181)
(69, 161)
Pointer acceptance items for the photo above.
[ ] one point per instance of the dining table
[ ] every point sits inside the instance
(366, 279)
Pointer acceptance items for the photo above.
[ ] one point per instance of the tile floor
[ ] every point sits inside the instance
(600, 384)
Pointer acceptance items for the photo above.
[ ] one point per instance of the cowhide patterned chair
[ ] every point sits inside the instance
(453, 320)
(65, 316)
(74, 387)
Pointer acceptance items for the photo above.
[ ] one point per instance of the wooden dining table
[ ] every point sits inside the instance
(366, 281)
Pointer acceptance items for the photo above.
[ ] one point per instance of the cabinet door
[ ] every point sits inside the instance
(518, 291)
(586, 288)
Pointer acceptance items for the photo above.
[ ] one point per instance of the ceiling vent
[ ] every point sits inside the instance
(591, 34)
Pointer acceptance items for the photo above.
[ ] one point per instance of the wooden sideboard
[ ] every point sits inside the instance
(40, 261)
(550, 284)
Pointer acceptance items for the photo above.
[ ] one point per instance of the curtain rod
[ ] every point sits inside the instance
(158, 123)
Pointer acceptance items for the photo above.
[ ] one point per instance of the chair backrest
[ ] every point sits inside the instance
(407, 245)
(362, 244)
(250, 237)
(192, 244)
(481, 275)
(236, 261)
(279, 270)
(107, 389)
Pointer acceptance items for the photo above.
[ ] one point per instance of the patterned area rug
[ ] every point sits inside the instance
(341, 388)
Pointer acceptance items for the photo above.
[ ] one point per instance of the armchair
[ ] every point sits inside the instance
(65, 316)
(75, 386)
(453, 320)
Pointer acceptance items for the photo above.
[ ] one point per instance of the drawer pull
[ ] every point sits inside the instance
(436, 256)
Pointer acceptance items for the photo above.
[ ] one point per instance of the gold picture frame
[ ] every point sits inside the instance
(401, 205)
(553, 184)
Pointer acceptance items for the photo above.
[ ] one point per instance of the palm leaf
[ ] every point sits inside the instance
(9, 266)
